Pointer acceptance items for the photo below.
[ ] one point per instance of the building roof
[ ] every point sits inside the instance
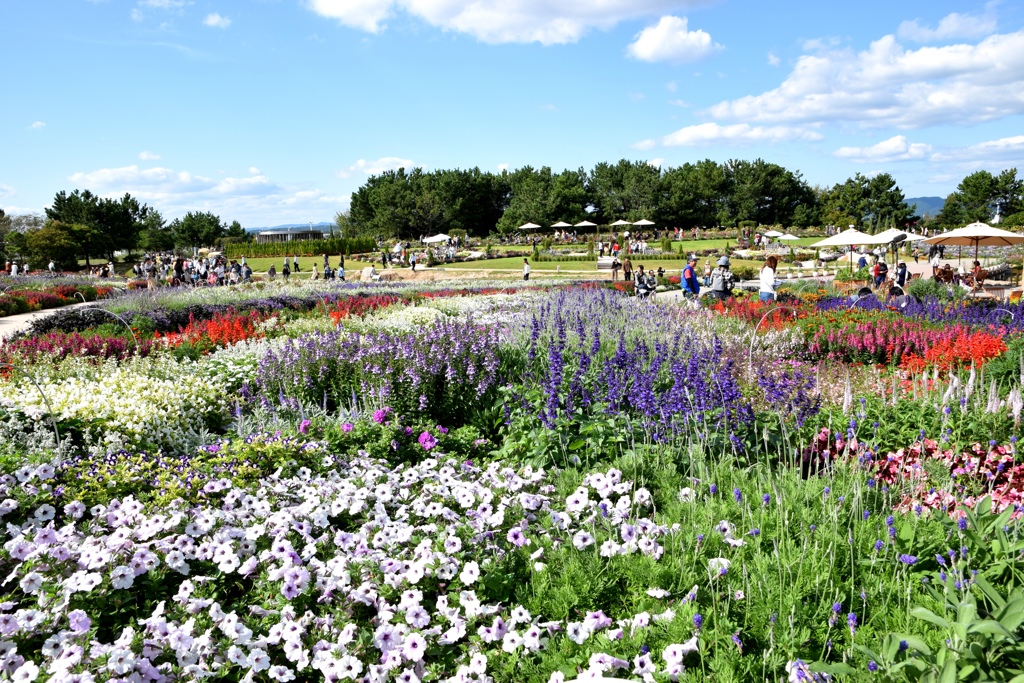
(288, 231)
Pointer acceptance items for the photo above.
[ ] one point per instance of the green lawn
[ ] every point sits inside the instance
(516, 264)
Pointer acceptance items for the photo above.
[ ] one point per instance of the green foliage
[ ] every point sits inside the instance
(197, 229)
(329, 246)
(866, 203)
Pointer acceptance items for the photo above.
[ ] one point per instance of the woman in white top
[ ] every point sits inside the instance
(767, 291)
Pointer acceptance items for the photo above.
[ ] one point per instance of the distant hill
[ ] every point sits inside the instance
(927, 205)
(324, 225)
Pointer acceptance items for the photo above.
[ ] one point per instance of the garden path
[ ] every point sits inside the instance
(13, 324)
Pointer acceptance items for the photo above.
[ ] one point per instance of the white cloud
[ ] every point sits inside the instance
(887, 85)
(1003, 149)
(656, 163)
(254, 171)
(377, 166)
(502, 167)
(672, 86)
(252, 199)
(896, 148)
(38, 125)
(148, 156)
(953, 25)
(500, 21)
(214, 20)
(137, 14)
(670, 40)
(637, 96)
(736, 134)
(773, 59)
(679, 103)
(164, 4)
(6, 190)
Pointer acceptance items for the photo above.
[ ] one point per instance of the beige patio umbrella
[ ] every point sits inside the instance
(976, 235)
(528, 226)
(585, 224)
(644, 221)
(562, 224)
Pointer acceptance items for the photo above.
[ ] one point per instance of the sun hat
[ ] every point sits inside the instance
(724, 261)
(693, 257)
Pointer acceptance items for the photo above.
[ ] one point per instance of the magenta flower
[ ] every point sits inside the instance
(304, 426)
(379, 416)
(346, 427)
(427, 440)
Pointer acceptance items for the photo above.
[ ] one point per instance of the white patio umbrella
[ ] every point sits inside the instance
(847, 238)
(585, 224)
(787, 236)
(976, 235)
(436, 238)
(562, 224)
(528, 226)
(773, 233)
(397, 248)
(887, 236)
(621, 222)
(644, 221)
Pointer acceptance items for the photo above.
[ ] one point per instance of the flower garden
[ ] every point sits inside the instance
(412, 483)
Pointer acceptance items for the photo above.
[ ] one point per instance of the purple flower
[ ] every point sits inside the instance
(698, 621)
(516, 537)
(962, 524)
(379, 416)
(766, 498)
(714, 489)
(908, 559)
(851, 621)
(427, 441)
(304, 426)
(872, 667)
(346, 427)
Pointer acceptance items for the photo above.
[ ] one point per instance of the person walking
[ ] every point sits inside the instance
(766, 292)
(936, 262)
(627, 269)
(707, 273)
(315, 275)
(722, 279)
(526, 270)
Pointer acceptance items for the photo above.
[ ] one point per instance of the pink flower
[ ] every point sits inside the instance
(346, 427)
(304, 426)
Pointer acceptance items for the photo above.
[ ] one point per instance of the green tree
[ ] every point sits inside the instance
(973, 200)
(766, 193)
(54, 241)
(693, 195)
(80, 208)
(197, 229)
(156, 234)
(236, 231)
(628, 190)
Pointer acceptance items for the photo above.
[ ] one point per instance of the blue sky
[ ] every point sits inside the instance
(273, 111)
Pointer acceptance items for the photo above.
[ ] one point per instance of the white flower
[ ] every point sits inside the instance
(582, 539)
(470, 573)
(121, 661)
(122, 577)
(26, 672)
(716, 566)
(657, 593)
(258, 660)
(687, 495)
(31, 582)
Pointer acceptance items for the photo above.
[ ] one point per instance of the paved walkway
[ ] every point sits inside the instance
(13, 324)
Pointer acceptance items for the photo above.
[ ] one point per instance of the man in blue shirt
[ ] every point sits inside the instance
(690, 285)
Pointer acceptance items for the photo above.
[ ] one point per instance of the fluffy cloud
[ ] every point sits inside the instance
(214, 20)
(6, 190)
(736, 134)
(887, 85)
(670, 40)
(896, 148)
(1003, 149)
(148, 156)
(953, 25)
(547, 22)
(137, 14)
(773, 59)
(252, 199)
(377, 166)
(38, 125)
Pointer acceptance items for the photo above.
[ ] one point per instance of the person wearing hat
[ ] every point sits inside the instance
(722, 279)
(689, 283)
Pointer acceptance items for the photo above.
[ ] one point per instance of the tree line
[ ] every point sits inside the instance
(705, 193)
(410, 204)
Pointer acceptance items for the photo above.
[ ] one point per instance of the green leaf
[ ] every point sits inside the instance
(988, 626)
(929, 616)
(914, 643)
(832, 669)
(990, 592)
(577, 444)
(948, 674)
